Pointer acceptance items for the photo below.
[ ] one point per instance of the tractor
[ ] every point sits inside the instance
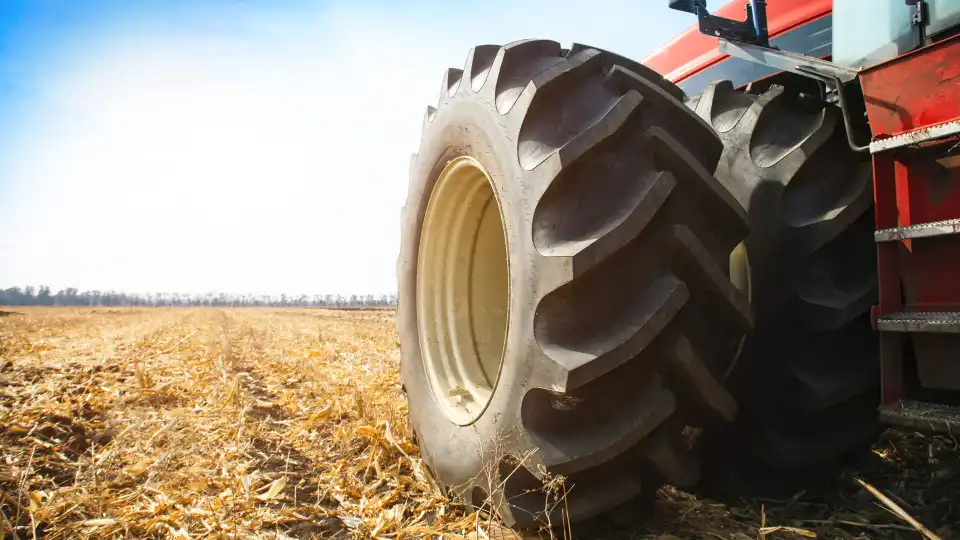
(725, 267)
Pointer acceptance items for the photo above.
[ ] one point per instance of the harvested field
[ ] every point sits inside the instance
(273, 423)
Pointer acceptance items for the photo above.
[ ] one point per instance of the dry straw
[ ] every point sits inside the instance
(262, 423)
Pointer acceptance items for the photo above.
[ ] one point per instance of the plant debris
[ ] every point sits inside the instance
(286, 423)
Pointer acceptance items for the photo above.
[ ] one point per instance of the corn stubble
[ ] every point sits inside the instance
(209, 423)
(283, 423)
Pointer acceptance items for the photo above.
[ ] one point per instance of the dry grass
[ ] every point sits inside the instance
(262, 423)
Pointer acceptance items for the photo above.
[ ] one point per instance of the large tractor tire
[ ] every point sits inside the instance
(565, 305)
(807, 380)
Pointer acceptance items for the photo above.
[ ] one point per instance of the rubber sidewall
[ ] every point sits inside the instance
(456, 453)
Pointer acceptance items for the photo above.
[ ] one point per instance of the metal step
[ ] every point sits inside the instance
(920, 321)
(917, 136)
(920, 230)
(922, 416)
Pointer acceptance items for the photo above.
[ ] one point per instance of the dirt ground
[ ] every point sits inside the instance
(282, 423)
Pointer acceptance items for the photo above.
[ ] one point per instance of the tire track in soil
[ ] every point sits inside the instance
(275, 457)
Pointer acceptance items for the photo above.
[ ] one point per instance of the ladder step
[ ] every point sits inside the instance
(920, 321)
(922, 416)
(920, 230)
(918, 136)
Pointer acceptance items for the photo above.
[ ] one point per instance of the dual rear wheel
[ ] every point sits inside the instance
(574, 284)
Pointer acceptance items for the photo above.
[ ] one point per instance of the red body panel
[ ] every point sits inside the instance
(913, 91)
(692, 52)
(914, 186)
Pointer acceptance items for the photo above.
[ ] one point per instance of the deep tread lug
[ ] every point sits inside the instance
(688, 366)
(428, 116)
(611, 60)
(713, 277)
(534, 153)
(682, 159)
(451, 82)
(590, 251)
(479, 61)
(672, 459)
(660, 303)
(516, 64)
(610, 436)
(708, 148)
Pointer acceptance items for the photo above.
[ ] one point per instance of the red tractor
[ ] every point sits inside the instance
(611, 279)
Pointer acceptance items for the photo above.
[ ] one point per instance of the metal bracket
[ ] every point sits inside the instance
(828, 73)
(801, 64)
(752, 30)
(919, 19)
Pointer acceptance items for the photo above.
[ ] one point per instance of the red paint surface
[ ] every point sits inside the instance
(913, 186)
(692, 52)
(913, 91)
(927, 191)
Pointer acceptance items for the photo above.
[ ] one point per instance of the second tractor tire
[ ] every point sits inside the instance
(807, 380)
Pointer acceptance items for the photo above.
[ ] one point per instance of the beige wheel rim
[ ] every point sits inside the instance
(463, 290)
(740, 277)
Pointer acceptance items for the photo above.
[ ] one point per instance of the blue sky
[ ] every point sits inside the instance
(238, 145)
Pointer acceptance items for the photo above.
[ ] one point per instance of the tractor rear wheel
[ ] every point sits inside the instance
(565, 306)
(807, 380)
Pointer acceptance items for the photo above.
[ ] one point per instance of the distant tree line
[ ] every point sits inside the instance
(43, 296)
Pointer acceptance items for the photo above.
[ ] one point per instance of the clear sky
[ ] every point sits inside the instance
(239, 145)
